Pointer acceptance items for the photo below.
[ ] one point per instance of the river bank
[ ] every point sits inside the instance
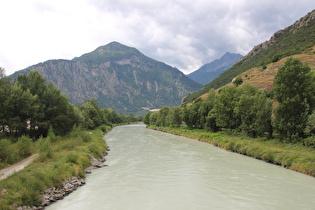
(292, 156)
(59, 170)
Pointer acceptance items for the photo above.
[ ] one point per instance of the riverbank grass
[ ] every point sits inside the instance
(292, 156)
(58, 160)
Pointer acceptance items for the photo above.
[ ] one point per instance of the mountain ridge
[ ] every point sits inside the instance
(117, 76)
(208, 72)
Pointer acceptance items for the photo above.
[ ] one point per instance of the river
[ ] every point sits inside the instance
(149, 169)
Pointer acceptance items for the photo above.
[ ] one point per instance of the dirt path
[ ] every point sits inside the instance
(4, 173)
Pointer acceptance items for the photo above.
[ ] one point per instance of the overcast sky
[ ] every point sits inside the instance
(182, 33)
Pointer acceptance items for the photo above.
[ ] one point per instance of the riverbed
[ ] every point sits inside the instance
(149, 169)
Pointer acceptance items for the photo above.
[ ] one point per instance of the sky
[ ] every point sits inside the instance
(182, 33)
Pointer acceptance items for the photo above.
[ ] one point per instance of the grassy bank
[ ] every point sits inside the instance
(292, 156)
(59, 159)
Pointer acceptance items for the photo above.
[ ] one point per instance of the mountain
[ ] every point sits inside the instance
(117, 76)
(210, 71)
(289, 41)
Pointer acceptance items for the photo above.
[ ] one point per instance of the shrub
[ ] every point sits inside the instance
(238, 81)
(310, 142)
(51, 134)
(104, 128)
(76, 131)
(7, 151)
(45, 148)
(86, 137)
(72, 158)
(24, 146)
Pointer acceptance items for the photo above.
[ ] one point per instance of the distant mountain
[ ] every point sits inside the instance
(289, 41)
(210, 71)
(117, 76)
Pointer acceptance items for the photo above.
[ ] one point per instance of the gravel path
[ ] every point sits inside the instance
(8, 171)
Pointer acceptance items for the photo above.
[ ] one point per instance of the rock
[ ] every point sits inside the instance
(95, 162)
(58, 196)
(88, 172)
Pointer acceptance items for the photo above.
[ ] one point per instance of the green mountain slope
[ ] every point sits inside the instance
(289, 41)
(117, 76)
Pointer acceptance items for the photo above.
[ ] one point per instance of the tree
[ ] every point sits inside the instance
(205, 108)
(292, 89)
(54, 108)
(224, 107)
(238, 81)
(146, 119)
(175, 116)
(254, 110)
(163, 117)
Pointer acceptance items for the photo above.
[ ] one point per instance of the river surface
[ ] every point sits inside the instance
(154, 170)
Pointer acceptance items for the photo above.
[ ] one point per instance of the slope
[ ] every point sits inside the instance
(289, 41)
(263, 77)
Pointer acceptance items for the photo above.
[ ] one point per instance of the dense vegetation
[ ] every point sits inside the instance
(246, 109)
(288, 42)
(58, 160)
(32, 108)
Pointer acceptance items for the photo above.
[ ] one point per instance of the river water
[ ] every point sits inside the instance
(154, 170)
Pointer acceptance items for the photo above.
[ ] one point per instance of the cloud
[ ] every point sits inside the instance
(180, 33)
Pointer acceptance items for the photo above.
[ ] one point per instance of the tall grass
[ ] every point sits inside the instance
(57, 161)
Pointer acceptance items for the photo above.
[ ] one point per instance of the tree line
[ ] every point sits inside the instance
(31, 106)
(287, 112)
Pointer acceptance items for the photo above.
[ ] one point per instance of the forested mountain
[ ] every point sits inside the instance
(117, 76)
(289, 41)
(210, 71)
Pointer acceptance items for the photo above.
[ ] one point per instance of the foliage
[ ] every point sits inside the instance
(7, 153)
(243, 108)
(292, 89)
(44, 147)
(238, 81)
(310, 128)
(175, 116)
(25, 186)
(33, 107)
(224, 106)
(146, 119)
(24, 146)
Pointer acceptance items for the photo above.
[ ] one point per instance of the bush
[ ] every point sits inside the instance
(104, 128)
(310, 142)
(7, 152)
(51, 134)
(238, 81)
(45, 148)
(24, 146)
(72, 158)
(76, 131)
(86, 137)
